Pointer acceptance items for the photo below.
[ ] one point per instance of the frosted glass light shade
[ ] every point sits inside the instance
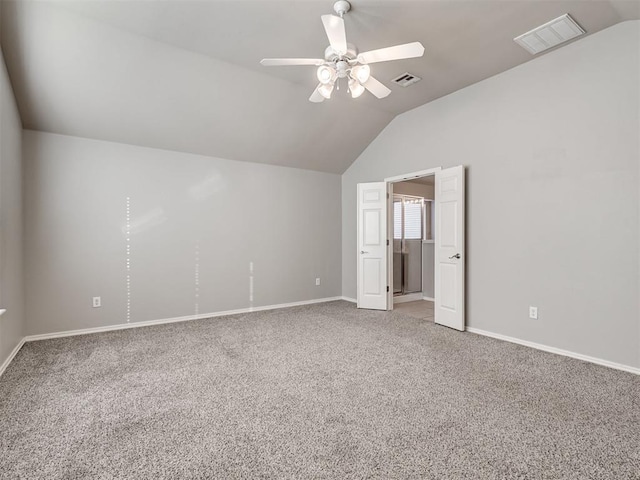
(325, 74)
(356, 88)
(361, 73)
(325, 90)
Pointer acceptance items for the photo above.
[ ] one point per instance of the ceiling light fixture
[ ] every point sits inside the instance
(361, 73)
(355, 88)
(325, 90)
(325, 74)
(342, 60)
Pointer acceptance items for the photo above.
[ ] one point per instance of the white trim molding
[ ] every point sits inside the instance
(429, 299)
(349, 299)
(11, 356)
(2, 310)
(412, 175)
(557, 351)
(148, 323)
(410, 297)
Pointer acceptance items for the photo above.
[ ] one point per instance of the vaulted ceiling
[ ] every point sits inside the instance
(185, 75)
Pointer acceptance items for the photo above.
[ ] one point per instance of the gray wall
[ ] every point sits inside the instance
(187, 212)
(552, 155)
(11, 280)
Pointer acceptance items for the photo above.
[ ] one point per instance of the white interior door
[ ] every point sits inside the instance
(372, 245)
(449, 254)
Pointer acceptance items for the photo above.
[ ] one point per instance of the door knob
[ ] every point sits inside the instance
(457, 255)
(363, 252)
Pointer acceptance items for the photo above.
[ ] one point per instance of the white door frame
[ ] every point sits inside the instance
(390, 181)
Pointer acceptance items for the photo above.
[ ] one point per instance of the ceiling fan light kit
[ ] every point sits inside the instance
(355, 88)
(361, 73)
(325, 90)
(341, 60)
(326, 74)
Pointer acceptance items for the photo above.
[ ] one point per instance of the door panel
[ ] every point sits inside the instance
(371, 227)
(448, 222)
(371, 275)
(450, 248)
(448, 289)
(372, 245)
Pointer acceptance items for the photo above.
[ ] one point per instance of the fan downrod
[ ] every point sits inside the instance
(341, 7)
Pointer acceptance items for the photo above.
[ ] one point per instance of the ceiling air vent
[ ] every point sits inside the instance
(406, 79)
(551, 34)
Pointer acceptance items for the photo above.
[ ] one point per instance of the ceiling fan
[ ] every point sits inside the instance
(342, 60)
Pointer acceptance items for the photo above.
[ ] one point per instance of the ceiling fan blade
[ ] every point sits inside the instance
(407, 50)
(334, 26)
(282, 62)
(377, 88)
(316, 96)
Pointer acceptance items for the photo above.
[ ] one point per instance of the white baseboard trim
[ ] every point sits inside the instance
(429, 299)
(11, 356)
(411, 297)
(349, 299)
(557, 351)
(148, 323)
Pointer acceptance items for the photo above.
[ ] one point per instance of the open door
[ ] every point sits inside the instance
(449, 253)
(372, 246)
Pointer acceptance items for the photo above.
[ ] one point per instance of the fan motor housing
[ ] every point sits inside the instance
(330, 55)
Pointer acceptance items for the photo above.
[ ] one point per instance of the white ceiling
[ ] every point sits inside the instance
(185, 75)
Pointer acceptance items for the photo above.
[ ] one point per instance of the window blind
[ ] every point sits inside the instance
(412, 221)
(397, 220)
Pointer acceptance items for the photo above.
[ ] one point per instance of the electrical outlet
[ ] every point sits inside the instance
(317, 281)
(533, 312)
(97, 302)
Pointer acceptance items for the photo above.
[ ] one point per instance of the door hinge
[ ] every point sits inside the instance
(387, 243)
(387, 288)
(387, 196)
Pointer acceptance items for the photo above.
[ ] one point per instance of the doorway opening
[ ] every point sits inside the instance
(375, 244)
(412, 262)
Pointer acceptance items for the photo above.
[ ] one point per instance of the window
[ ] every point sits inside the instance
(411, 208)
(413, 219)
(397, 219)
